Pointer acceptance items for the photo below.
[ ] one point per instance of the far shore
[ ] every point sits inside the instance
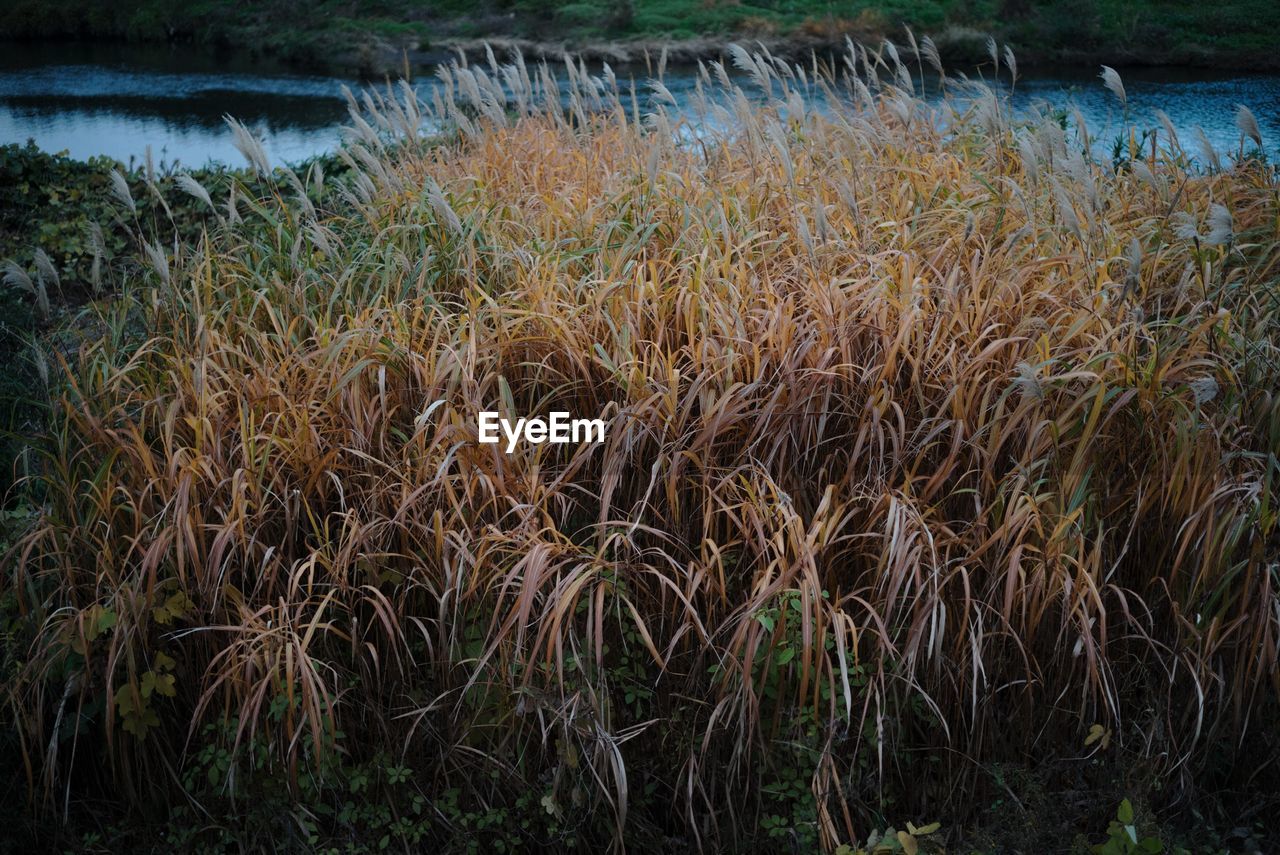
(958, 47)
(373, 55)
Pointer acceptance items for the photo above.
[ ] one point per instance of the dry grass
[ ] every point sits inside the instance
(925, 432)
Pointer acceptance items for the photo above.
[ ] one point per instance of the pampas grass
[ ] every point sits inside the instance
(120, 189)
(195, 189)
(1111, 79)
(929, 50)
(1011, 63)
(920, 444)
(249, 146)
(15, 276)
(1248, 124)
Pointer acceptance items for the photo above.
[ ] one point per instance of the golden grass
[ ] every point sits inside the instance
(924, 431)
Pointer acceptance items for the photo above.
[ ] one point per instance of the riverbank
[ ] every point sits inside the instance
(378, 36)
(937, 488)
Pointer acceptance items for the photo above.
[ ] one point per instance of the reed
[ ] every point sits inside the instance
(929, 435)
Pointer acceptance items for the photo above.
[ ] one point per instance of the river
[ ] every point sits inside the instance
(119, 100)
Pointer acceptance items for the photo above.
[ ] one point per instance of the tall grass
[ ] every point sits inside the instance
(930, 436)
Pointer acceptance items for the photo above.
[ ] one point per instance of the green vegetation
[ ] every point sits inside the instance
(67, 213)
(374, 35)
(938, 507)
(1122, 836)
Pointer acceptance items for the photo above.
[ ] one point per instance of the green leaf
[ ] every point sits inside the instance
(164, 685)
(1125, 813)
(107, 619)
(139, 724)
(603, 356)
(124, 699)
(177, 605)
(135, 712)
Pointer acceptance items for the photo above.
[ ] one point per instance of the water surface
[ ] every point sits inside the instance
(117, 100)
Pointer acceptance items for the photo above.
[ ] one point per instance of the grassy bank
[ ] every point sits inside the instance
(374, 35)
(939, 485)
